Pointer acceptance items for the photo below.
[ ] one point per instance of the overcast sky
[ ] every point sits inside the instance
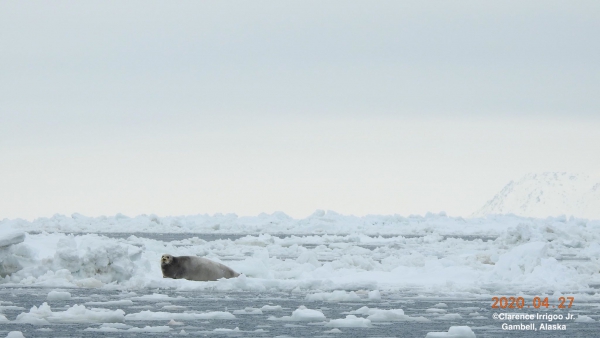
(377, 107)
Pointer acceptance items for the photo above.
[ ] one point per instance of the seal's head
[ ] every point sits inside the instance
(166, 259)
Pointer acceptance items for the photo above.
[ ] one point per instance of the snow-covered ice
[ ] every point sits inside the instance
(388, 315)
(58, 295)
(303, 314)
(324, 261)
(453, 332)
(336, 256)
(44, 315)
(349, 321)
(15, 334)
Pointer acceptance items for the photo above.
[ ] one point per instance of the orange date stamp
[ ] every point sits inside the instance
(536, 303)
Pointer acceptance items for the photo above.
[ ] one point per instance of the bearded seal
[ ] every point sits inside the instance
(194, 268)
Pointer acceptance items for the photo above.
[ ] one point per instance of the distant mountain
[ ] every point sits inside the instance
(547, 194)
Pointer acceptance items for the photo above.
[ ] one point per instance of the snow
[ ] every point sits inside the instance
(374, 295)
(226, 330)
(349, 321)
(548, 194)
(389, 315)
(453, 332)
(303, 314)
(338, 259)
(58, 295)
(10, 236)
(75, 314)
(271, 308)
(15, 334)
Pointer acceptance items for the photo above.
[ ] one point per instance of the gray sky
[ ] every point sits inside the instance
(248, 107)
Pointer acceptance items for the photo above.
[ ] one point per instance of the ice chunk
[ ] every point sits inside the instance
(303, 314)
(58, 295)
(349, 321)
(75, 314)
(15, 334)
(10, 237)
(391, 315)
(271, 308)
(453, 332)
(248, 311)
(226, 330)
(374, 295)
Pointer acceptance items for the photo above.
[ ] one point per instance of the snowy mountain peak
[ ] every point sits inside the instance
(547, 194)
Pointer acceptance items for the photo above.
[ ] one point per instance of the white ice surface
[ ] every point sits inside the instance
(15, 334)
(10, 236)
(271, 308)
(75, 314)
(248, 311)
(334, 257)
(390, 315)
(349, 321)
(302, 314)
(58, 295)
(3, 319)
(453, 332)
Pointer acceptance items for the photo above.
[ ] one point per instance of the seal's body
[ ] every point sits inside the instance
(194, 268)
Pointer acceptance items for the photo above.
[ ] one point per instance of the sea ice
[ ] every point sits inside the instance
(58, 295)
(248, 311)
(349, 321)
(453, 332)
(522, 254)
(3, 319)
(10, 237)
(302, 314)
(15, 334)
(271, 308)
(75, 314)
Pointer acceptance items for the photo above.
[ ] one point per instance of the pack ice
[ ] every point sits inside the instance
(323, 253)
